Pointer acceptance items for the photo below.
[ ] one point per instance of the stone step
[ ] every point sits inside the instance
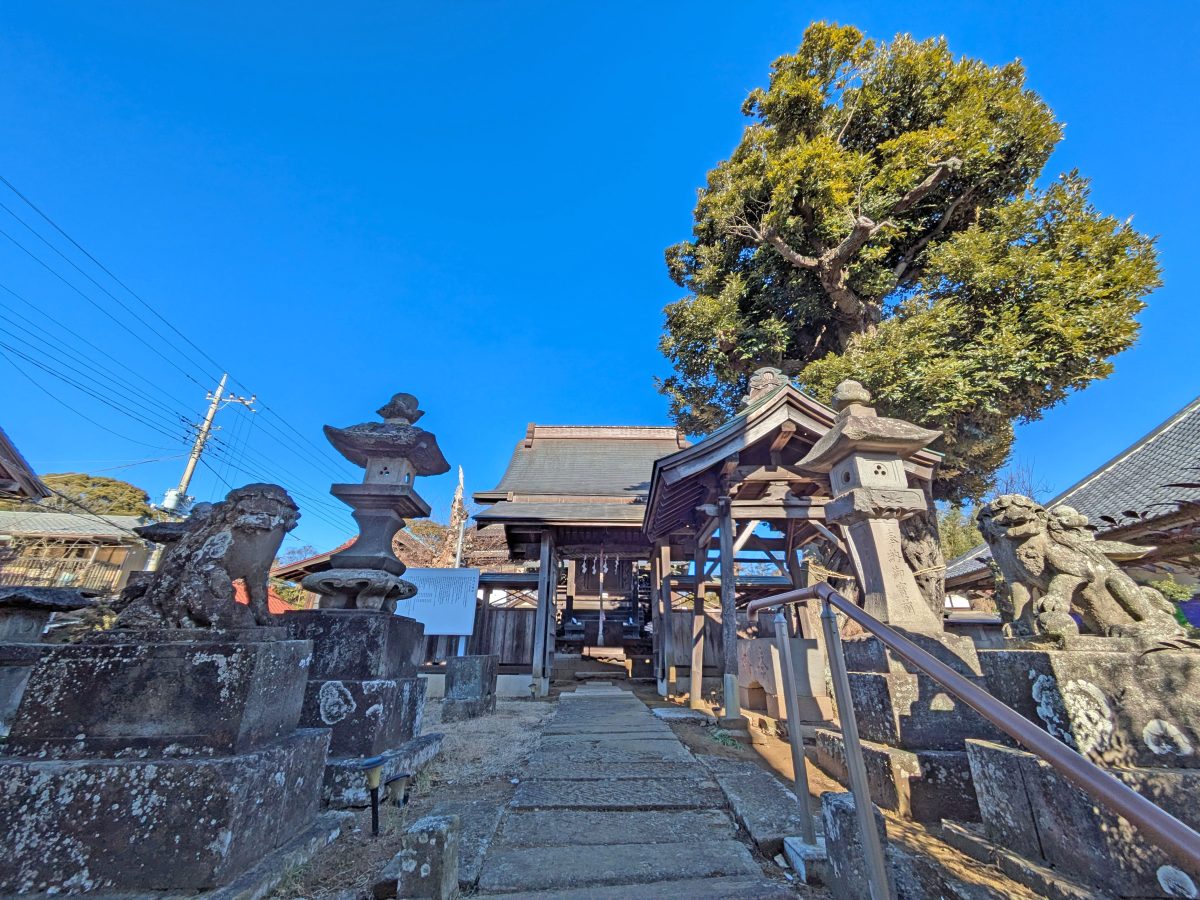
(510, 870)
(724, 888)
(765, 808)
(566, 770)
(563, 827)
(613, 794)
(631, 751)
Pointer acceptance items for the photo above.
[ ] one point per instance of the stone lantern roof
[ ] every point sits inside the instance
(858, 429)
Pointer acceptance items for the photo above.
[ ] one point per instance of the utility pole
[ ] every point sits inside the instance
(177, 496)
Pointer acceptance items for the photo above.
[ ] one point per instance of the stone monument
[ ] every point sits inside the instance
(24, 614)
(363, 684)
(1100, 663)
(470, 687)
(912, 731)
(164, 755)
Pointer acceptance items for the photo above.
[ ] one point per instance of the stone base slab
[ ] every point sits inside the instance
(358, 644)
(923, 785)
(365, 717)
(458, 710)
(153, 825)
(196, 694)
(345, 784)
(1034, 813)
(1119, 708)
(913, 712)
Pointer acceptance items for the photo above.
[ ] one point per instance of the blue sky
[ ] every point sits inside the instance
(469, 201)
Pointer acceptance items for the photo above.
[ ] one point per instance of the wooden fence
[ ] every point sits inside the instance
(508, 633)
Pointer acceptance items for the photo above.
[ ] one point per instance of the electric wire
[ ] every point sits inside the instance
(71, 408)
(151, 384)
(122, 410)
(115, 384)
(90, 300)
(322, 452)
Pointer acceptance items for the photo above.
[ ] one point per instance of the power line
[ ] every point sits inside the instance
(78, 269)
(322, 454)
(100, 350)
(110, 274)
(125, 412)
(122, 388)
(68, 406)
(90, 300)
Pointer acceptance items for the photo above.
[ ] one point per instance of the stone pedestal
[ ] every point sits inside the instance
(470, 687)
(158, 761)
(363, 686)
(1133, 713)
(913, 732)
(761, 679)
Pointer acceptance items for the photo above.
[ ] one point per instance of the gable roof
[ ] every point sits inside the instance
(17, 478)
(579, 473)
(677, 481)
(1137, 480)
(113, 529)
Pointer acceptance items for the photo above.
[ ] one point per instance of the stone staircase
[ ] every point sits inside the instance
(614, 806)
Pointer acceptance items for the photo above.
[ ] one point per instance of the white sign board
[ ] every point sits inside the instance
(445, 599)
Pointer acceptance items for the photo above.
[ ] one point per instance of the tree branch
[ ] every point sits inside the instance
(905, 264)
(799, 260)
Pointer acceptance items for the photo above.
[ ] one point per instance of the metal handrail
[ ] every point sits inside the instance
(1173, 836)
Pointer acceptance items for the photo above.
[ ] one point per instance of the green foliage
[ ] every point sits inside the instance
(957, 531)
(107, 496)
(1173, 590)
(880, 219)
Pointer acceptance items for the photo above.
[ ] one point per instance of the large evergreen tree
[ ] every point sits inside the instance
(75, 492)
(882, 219)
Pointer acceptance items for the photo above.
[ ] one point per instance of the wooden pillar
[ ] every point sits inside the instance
(668, 617)
(547, 586)
(733, 709)
(656, 618)
(569, 609)
(696, 690)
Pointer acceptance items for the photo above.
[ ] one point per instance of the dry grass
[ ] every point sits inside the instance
(478, 756)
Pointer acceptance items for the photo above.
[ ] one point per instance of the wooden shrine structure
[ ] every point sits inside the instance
(597, 506)
(742, 488)
(573, 498)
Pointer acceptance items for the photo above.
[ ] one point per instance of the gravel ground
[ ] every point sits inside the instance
(479, 758)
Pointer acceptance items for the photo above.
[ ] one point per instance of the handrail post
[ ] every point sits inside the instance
(790, 704)
(876, 865)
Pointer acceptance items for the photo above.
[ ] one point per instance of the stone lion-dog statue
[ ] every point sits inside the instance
(218, 544)
(1053, 564)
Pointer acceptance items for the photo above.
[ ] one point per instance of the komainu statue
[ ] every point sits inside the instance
(1054, 565)
(218, 544)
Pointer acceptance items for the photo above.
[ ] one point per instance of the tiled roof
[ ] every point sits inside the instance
(60, 524)
(275, 604)
(609, 461)
(595, 512)
(594, 473)
(1136, 480)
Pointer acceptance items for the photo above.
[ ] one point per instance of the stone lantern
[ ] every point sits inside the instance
(392, 453)
(863, 455)
(363, 682)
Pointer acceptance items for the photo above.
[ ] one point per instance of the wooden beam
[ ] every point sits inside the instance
(788, 508)
(747, 532)
(786, 431)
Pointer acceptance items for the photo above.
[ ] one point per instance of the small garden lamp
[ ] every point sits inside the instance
(372, 767)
